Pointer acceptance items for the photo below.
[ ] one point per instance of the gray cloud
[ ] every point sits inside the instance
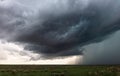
(59, 28)
(106, 52)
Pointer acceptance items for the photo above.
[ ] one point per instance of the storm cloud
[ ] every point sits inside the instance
(58, 27)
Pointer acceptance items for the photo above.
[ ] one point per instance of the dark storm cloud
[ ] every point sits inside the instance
(61, 28)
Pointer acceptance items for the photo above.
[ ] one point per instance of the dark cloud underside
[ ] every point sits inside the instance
(62, 27)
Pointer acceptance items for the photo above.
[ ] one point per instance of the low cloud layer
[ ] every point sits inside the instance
(11, 53)
(58, 28)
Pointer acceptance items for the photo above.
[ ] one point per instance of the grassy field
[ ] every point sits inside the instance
(61, 70)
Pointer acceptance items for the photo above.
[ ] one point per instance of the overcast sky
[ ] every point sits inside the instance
(59, 31)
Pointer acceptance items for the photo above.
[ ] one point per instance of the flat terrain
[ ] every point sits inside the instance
(58, 70)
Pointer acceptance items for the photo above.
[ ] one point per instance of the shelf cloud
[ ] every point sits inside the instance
(58, 28)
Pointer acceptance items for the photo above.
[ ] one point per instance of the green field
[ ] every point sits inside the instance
(61, 70)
